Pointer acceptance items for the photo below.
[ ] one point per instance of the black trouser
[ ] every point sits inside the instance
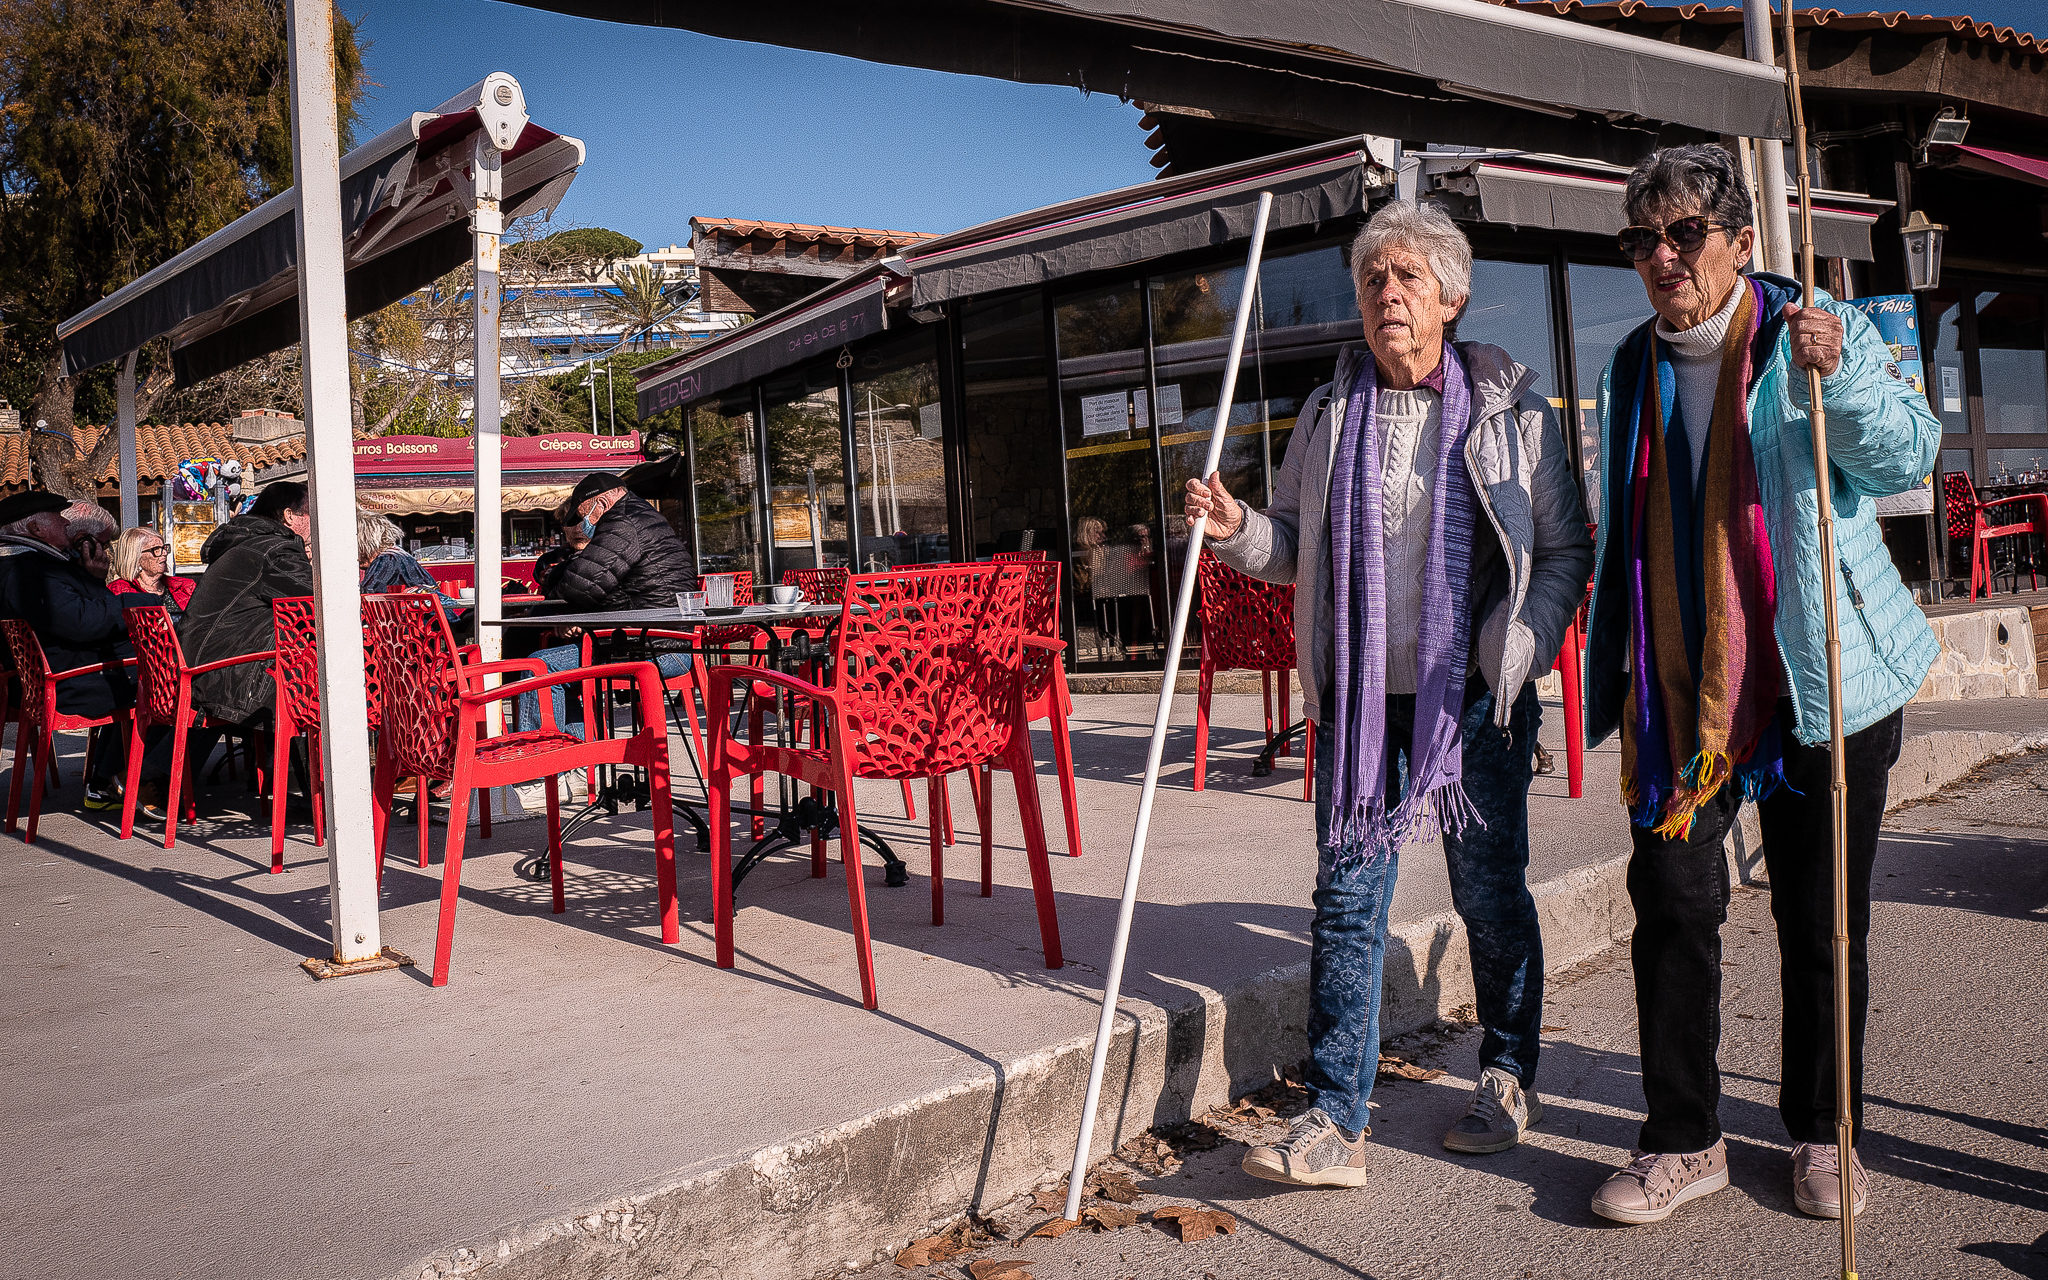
(1680, 892)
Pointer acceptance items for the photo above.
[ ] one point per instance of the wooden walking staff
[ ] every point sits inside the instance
(1838, 782)
(1214, 458)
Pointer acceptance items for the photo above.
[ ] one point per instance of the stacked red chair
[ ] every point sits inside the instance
(432, 702)
(1046, 696)
(40, 719)
(1979, 521)
(1021, 557)
(1247, 625)
(926, 679)
(163, 695)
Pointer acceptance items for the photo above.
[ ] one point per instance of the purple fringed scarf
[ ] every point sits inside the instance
(1361, 825)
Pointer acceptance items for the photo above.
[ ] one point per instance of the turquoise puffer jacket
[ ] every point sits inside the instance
(1882, 439)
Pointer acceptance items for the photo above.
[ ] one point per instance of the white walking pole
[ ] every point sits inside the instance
(1104, 1025)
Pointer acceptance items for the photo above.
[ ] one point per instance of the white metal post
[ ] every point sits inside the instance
(487, 222)
(124, 424)
(330, 473)
(1774, 219)
(874, 469)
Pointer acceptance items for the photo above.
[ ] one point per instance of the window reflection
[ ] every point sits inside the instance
(1013, 459)
(807, 494)
(728, 520)
(1607, 304)
(2012, 363)
(1510, 308)
(1941, 317)
(900, 453)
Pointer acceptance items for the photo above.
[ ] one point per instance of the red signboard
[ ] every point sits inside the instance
(410, 455)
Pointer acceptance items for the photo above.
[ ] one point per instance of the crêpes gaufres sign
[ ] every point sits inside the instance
(401, 455)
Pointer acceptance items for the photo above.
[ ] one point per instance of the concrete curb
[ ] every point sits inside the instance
(845, 1197)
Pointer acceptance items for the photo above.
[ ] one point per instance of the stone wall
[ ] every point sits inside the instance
(1987, 654)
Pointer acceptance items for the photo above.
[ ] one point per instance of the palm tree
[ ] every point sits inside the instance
(645, 295)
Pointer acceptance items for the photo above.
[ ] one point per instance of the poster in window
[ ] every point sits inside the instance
(1105, 415)
(1895, 317)
(1169, 405)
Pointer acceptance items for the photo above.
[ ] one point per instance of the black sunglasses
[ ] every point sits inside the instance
(1686, 235)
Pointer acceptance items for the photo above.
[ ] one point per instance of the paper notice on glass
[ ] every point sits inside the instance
(1105, 415)
(929, 426)
(1951, 389)
(1141, 409)
(1169, 405)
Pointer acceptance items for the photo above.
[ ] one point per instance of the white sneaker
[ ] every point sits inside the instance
(532, 796)
(1501, 1112)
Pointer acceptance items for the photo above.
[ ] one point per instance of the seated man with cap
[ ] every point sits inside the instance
(54, 576)
(632, 560)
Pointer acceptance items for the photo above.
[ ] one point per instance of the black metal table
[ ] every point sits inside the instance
(794, 819)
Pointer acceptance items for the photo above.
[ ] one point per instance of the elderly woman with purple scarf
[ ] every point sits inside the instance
(1428, 516)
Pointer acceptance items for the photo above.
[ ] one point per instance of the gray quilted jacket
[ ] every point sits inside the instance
(1527, 585)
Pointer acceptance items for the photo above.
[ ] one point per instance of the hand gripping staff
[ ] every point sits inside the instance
(1186, 598)
(1838, 783)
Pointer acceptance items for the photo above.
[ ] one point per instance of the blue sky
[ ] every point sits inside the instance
(679, 124)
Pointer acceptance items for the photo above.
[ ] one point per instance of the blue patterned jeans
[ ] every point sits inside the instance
(568, 657)
(1489, 887)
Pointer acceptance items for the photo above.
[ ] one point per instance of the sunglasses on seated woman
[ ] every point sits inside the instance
(1686, 235)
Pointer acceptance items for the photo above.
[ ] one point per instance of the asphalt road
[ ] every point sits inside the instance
(1956, 1143)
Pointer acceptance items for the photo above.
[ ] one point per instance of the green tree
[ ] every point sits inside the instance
(127, 133)
(645, 295)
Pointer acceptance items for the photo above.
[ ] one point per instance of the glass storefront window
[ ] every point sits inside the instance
(900, 452)
(1607, 304)
(728, 504)
(806, 469)
(2012, 363)
(1510, 308)
(2025, 467)
(1941, 318)
(1119, 594)
(1013, 458)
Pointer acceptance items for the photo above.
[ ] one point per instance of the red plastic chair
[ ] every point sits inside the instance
(1046, 696)
(40, 719)
(1978, 521)
(163, 695)
(1247, 625)
(825, 586)
(431, 706)
(926, 680)
(1020, 557)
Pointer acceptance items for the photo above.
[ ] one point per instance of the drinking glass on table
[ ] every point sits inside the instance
(690, 603)
(718, 590)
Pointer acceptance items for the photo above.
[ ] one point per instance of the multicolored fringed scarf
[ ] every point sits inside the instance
(1361, 823)
(1703, 596)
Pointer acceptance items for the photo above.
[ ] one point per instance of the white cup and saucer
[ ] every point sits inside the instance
(786, 595)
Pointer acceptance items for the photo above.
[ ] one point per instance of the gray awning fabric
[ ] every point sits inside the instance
(234, 295)
(849, 311)
(1311, 185)
(1390, 49)
(1528, 197)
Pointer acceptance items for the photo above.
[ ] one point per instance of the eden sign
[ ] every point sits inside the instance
(399, 455)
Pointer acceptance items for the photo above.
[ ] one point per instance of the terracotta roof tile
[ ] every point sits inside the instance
(159, 448)
(1837, 19)
(809, 234)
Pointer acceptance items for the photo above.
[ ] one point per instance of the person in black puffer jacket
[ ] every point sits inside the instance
(251, 560)
(634, 561)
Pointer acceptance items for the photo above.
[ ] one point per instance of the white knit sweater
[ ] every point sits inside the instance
(1410, 422)
(1696, 365)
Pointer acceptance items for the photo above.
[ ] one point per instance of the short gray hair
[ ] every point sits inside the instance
(375, 534)
(1697, 176)
(1423, 229)
(86, 516)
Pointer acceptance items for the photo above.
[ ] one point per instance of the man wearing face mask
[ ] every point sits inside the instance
(633, 560)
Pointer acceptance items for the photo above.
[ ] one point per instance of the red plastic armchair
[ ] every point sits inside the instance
(163, 695)
(1046, 696)
(430, 716)
(825, 586)
(40, 718)
(1247, 625)
(1978, 521)
(1021, 557)
(926, 679)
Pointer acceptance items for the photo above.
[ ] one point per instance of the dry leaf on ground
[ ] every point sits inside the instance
(1111, 1185)
(1195, 1222)
(955, 1240)
(1056, 1228)
(1000, 1269)
(1110, 1217)
(1393, 1068)
(1047, 1201)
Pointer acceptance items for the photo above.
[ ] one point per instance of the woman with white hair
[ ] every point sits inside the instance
(387, 566)
(1427, 514)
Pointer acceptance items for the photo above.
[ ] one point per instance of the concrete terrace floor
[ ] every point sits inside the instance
(183, 1101)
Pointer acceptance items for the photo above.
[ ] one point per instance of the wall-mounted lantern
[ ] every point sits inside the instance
(1923, 251)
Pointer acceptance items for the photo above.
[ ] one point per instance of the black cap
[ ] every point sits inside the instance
(593, 484)
(35, 502)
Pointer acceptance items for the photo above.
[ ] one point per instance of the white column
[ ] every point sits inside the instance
(124, 424)
(330, 474)
(487, 222)
(1774, 219)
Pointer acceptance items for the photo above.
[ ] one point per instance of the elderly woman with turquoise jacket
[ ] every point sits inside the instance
(1706, 650)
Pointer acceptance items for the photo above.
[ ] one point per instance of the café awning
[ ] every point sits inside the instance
(2004, 164)
(454, 499)
(1113, 229)
(1413, 68)
(404, 195)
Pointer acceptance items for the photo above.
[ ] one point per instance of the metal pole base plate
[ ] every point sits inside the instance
(388, 958)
